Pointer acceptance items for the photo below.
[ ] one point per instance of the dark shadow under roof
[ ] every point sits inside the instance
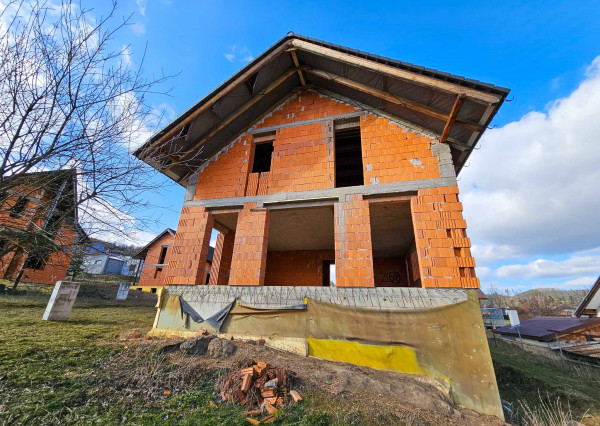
(409, 93)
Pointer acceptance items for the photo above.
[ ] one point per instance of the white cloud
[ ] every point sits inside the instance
(575, 266)
(239, 53)
(142, 4)
(126, 55)
(577, 283)
(138, 28)
(532, 188)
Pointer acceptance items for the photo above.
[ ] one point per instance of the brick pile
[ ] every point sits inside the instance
(440, 236)
(263, 390)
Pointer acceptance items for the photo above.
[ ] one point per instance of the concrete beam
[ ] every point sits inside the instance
(319, 195)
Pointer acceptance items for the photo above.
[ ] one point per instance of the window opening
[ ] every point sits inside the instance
(348, 158)
(262, 157)
(18, 208)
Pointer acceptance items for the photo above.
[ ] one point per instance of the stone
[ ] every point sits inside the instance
(220, 348)
(197, 346)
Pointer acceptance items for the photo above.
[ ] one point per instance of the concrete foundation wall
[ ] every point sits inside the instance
(431, 332)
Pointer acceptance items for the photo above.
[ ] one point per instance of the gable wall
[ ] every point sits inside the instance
(147, 277)
(303, 156)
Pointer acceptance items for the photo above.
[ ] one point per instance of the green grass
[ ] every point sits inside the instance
(80, 372)
(529, 379)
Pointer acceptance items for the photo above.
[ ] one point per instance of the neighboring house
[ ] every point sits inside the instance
(111, 264)
(155, 257)
(548, 331)
(42, 203)
(318, 161)
(590, 305)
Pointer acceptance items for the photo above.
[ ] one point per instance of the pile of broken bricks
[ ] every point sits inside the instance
(263, 390)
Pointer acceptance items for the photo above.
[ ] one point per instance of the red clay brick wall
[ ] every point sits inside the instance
(390, 272)
(294, 268)
(221, 264)
(250, 247)
(58, 262)
(303, 159)
(392, 154)
(150, 276)
(187, 262)
(353, 249)
(306, 105)
(440, 235)
(225, 175)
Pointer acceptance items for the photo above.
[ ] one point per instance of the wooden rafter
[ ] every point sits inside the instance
(458, 103)
(297, 64)
(412, 105)
(193, 115)
(225, 122)
(444, 86)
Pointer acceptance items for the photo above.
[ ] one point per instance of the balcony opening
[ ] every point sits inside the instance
(301, 247)
(348, 157)
(395, 260)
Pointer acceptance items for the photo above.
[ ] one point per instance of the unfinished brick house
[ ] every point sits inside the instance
(316, 155)
(38, 203)
(330, 176)
(155, 256)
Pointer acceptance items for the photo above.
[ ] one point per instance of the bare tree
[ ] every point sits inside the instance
(71, 101)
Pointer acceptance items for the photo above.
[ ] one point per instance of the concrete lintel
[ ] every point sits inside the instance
(303, 123)
(325, 194)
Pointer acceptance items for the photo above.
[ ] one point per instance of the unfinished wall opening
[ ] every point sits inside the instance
(221, 247)
(301, 247)
(395, 261)
(263, 152)
(348, 155)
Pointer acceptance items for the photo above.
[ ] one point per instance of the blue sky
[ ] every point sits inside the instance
(543, 51)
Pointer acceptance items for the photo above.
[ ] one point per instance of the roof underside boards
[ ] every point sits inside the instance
(546, 328)
(411, 94)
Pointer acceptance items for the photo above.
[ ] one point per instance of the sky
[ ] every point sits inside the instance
(530, 192)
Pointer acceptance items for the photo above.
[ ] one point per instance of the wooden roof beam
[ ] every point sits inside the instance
(226, 121)
(407, 103)
(458, 103)
(217, 96)
(297, 65)
(423, 80)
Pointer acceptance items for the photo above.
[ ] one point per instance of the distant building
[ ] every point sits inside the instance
(36, 206)
(590, 305)
(548, 331)
(111, 264)
(155, 257)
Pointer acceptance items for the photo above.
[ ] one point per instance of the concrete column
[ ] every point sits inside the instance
(249, 259)
(353, 245)
(187, 262)
(221, 264)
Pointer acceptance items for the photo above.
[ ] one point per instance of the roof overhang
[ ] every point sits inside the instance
(454, 109)
(590, 305)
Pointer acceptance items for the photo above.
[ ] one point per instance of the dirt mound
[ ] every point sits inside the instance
(197, 346)
(220, 349)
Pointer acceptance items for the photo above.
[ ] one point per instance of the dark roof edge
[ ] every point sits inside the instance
(138, 255)
(587, 298)
(430, 72)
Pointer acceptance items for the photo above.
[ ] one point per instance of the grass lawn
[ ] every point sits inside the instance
(538, 382)
(85, 371)
(89, 370)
